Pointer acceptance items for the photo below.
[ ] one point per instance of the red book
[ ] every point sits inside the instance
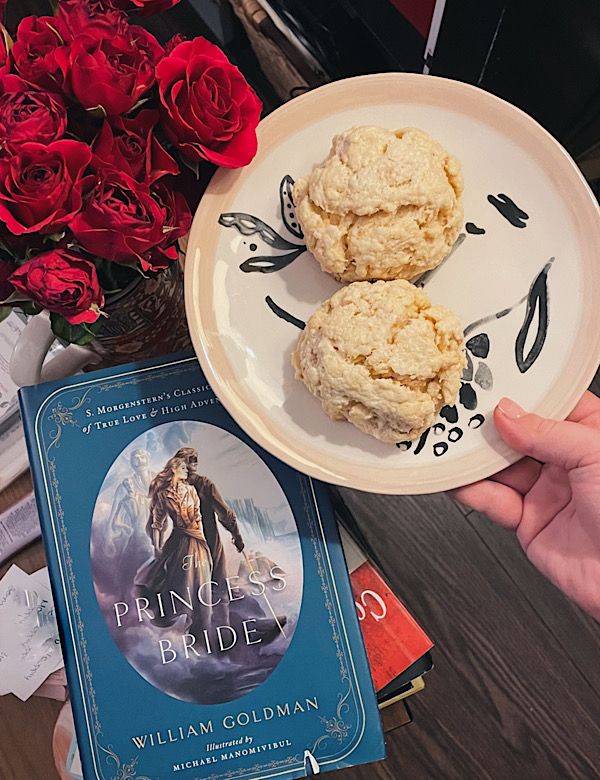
(393, 638)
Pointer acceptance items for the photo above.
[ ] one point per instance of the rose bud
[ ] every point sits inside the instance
(63, 283)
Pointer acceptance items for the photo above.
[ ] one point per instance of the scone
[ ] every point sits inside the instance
(382, 205)
(383, 357)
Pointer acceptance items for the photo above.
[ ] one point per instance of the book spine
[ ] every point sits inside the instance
(348, 521)
(393, 638)
(52, 557)
(344, 586)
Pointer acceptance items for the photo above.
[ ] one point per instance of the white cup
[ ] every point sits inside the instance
(29, 364)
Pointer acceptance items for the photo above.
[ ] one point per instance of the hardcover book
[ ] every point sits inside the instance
(393, 638)
(206, 614)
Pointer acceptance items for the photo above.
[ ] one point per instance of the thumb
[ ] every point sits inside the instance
(566, 444)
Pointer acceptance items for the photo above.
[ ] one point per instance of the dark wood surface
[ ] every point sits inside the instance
(515, 693)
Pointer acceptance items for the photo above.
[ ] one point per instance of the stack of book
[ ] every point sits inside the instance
(398, 649)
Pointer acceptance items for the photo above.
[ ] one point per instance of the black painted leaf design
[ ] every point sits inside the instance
(404, 445)
(476, 421)
(288, 209)
(440, 448)
(537, 303)
(473, 229)
(509, 210)
(421, 442)
(268, 264)
(483, 376)
(479, 345)
(283, 314)
(467, 396)
(455, 434)
(467, 374)
(438, 429)
(449, 413)
(249, 225)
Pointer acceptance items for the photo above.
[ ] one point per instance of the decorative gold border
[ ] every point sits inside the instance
(77, 628)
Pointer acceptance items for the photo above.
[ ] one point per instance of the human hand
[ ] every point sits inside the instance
(551, 497)
(239, 543)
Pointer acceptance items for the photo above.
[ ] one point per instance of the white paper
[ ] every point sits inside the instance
(29, 642)
(41, 576)
(355, 557)
(19, 526)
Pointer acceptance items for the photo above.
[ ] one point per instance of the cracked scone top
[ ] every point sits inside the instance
(383, 357)
(382, 205)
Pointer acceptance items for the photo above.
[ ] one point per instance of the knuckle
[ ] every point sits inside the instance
(544, 426)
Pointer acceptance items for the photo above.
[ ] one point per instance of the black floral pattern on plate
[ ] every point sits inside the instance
(249, 225)
(477, 375)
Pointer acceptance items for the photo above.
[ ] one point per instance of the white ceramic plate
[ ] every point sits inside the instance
(525, 289)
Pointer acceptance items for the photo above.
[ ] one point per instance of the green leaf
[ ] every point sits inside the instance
(8, 255)
(139, 104)
(16, 299)
(74, 334)
(54, 237)
(98, 112)
(114, 277)
(29, 307)
(193, 165)
(4, 312)
(8, 41)
(55, 31)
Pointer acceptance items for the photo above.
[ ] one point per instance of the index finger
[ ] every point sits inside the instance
(588, 404)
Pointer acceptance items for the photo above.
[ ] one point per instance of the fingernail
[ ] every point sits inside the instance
(511, 409)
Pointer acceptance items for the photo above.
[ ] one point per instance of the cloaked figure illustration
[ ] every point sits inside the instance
(213, 508)
(130, 507)
(173, 498)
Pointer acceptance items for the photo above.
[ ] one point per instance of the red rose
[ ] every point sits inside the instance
(173, 42)
(89, 16)
(63, 283)
(40, 185)
(29, 115)
(145, 42)
(106, 72)
(146, 7)
(208, 109)
(120, 220)
(129, 145)
(6, 288)
(34, 50)
(177, 222)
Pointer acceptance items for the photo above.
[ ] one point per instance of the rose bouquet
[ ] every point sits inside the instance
(99, 128)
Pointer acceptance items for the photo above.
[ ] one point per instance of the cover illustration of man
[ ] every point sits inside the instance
(202, 614)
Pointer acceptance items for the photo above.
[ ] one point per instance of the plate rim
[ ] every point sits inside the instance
(205, 339)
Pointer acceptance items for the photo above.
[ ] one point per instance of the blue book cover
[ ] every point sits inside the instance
(206, 616)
